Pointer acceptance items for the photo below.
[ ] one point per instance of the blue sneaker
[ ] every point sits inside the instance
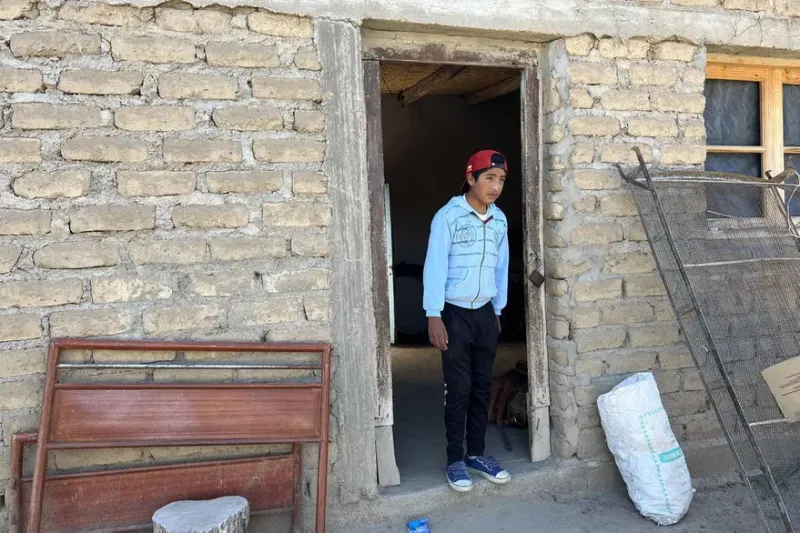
(489, 468)
(458, 477)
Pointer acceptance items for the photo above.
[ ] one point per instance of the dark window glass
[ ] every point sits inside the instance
(732, 113)
(791, 115)
(792, 200)
(734, 200)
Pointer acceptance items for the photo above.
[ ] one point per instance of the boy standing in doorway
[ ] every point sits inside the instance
(465, 290)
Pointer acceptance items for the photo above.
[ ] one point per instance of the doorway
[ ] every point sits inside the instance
(430, 119)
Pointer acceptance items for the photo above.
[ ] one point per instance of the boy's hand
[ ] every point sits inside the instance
(438, 333)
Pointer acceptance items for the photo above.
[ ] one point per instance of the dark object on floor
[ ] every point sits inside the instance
(123, 415)
(734, 283)
(508, 402)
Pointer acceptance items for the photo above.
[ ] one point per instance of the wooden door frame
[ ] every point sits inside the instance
(530, 136)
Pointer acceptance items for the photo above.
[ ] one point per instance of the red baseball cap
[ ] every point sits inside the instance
(485, 159)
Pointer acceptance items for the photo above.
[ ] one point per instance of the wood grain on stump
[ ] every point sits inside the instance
(228, 514)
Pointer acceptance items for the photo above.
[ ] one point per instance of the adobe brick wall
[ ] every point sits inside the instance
(161, 177)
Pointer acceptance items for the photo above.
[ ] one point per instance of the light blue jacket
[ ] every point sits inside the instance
(467, 261)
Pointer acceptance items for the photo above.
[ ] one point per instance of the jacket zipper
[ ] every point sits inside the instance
(480, 269)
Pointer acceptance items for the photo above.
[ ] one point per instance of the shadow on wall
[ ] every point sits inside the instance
(426, 147)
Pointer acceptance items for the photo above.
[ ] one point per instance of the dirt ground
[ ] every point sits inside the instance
(728, 510)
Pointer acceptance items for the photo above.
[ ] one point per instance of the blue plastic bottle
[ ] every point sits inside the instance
(419, 526)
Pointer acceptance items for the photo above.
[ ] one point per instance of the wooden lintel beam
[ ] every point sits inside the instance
(493, 91)
(430, 83)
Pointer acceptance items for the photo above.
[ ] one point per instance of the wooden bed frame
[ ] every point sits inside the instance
(102, 415)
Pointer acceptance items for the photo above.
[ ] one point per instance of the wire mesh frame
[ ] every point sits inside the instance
(760, 480)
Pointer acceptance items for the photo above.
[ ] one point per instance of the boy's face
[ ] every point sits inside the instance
(489, 185)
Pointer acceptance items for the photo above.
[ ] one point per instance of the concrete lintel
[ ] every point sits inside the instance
(354, 339)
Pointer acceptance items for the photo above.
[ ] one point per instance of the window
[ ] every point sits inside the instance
(752, 126)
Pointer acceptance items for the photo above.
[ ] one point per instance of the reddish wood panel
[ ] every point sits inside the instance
(184, 414)
(125, 498)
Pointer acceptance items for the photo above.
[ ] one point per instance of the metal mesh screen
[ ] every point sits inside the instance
(734, 283)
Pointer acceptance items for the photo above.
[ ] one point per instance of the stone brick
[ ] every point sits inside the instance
(66, 460)
(111, 290)
(307, 59)
(182, 252)
(682, 103)
(638, 49)
(317, 309)
(155, 183)
(225, 284)
(100, 82)
(675, 358)
(210, 216)
(289, 150)
(40, 293)
(585, 317)
(597, 233)
(54, 117)
(562, 269)
(625, 101)
(19, 422)
(53, 184)
(154, 118)
(309, 121)
(168, 319)
(311, 246)
(636, 232)
(691, 380)
(15, 363)
(592, 74)
(137, 356)
(99, 13)
(91, 323)
(20, 151)
(588, 395)
(202, 151)
(248, 118)
(26, 394)
(287, 89)
(24, 221)
(244, 181)
(273, 311)
(309, 183)
(296, 215)
(553, 211)
(694, 79)
(624, 363)
(554, 133)
(152, 49)
(312, 279)
(242, 249)
(580, 45)
(13, 80)
(197, 86)
(104, 150)
(682, 154)
(9, 255)
(667, 381)
(592, 340)
(623, 153)
(308, 334)
(582, 153)
(684, 403)
(654, 75)
(77, 255)
(672, 51)
(54, 44)
(580, 99)
(592, 366)
(627, 313)
(696, 3)
(588, 417)
(644, 285)
(618, 206)
(20, 327)
(587, 204)
(112, 218)
(557, 287)
(658, 335)
(557, 328)
(189, 20)
(694, 129)
(629, 263)
(652, 128)
(594, 126)
(703, 426)
(597, 180)
(280, 25)
(590, 291)
(746, 5)
(242, 55)
(612, 48)
(17, 9)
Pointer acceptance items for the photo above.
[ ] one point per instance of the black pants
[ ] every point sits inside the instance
(467, 367)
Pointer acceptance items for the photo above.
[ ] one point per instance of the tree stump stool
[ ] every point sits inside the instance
(228, 514)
